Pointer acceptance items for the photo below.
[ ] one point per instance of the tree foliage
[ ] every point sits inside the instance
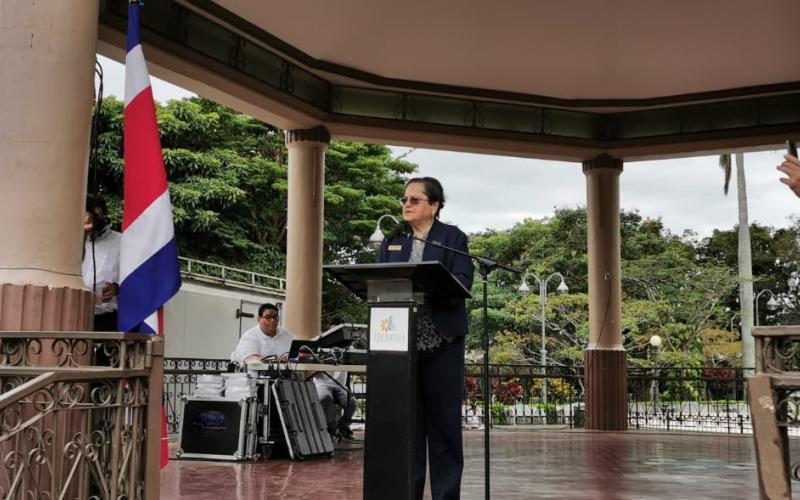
(672, 286)
(228, 184)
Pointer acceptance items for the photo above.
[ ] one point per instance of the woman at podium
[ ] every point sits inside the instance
(441, 328)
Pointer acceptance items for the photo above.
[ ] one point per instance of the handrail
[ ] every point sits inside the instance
(83, 335)
(776, 331)
(225, 273)
(44, 377)
(41, 402)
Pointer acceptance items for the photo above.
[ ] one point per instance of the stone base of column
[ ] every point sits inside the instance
(606, 389)
(49, 309)
(43, 308)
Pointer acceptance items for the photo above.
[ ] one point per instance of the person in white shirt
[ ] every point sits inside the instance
(100, 266)
(331, 392)
(264, 339)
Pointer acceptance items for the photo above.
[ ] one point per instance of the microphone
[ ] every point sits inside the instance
(377, 236)
(401, 229)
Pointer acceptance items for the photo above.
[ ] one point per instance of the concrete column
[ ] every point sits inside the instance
(302, 315)
(47, 52)
(605, 358)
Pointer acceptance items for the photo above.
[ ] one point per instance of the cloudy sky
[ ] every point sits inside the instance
(492, 192)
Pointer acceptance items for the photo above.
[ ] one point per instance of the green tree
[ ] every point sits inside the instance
(228, 184)
(667, 289)
(775, 262)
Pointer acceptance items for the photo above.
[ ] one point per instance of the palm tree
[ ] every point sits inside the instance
(745, 258)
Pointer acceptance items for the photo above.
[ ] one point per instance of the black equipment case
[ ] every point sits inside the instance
(218, 428)
(302, 419)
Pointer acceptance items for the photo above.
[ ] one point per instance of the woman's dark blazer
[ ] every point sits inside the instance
(449, 317)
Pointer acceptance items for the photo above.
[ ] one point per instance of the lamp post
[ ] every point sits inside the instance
(772, 304)
(733, 318)
(655, 342)
(562, 288)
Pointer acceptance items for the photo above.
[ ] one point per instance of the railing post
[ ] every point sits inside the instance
(152, 474)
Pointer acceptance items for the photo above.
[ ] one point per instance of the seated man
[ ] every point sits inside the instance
(264, 339)
(330, 392)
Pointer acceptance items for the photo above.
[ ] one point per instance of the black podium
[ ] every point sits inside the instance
(391, 365)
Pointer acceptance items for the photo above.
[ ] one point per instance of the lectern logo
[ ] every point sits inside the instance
(387, 325)
(388, 330)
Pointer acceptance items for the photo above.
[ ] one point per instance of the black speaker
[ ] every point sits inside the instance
(218, 429)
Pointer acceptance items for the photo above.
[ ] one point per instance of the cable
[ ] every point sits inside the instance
(98, 70)
(608, 307)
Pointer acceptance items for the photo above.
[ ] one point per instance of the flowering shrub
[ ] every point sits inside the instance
(472, 390)
(507, 392)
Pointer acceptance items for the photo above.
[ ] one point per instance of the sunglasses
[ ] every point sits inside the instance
(412, 199)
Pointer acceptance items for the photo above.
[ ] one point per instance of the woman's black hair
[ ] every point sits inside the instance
(433, 190)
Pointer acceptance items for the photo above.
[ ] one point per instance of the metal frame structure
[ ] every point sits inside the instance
(206, 34)
(71, 429)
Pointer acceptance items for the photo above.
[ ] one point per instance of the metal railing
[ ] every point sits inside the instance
(71, 429)
(180, 377)
(688, 399)
(226, 275)
(669, 399)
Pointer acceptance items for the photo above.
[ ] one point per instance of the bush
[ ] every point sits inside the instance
(499, 416)
(507, 392)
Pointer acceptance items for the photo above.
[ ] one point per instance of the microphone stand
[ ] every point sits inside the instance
(485, 266)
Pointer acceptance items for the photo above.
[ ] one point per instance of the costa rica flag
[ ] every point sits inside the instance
(149, 267)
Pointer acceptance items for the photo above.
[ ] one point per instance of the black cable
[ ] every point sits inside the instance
(98, 70)
(98, 103)
(608, 306)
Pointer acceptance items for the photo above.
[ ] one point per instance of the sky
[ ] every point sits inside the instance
(685, 193)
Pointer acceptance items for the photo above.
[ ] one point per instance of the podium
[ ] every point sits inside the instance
(390, 438)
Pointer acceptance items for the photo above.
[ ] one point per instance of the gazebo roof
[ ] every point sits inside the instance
(563, 80)
(590, 50)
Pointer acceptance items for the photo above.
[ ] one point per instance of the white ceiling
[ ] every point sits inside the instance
(590, 49)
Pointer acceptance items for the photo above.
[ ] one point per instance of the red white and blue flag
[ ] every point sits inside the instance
(149, 269)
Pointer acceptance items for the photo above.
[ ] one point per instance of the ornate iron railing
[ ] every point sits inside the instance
(688, 399)
(775, 403)
(670, 399)
(71, 429)
(525, 394)
(180, 376)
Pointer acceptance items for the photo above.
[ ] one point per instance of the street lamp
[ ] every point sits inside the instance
(655, 342)
(772, 304)
(562, 288)
(733, 318)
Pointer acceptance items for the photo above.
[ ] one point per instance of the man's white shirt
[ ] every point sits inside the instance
(104, 254)
(254, 341)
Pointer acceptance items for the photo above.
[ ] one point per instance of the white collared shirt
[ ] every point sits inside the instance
(254, 341)
(106, 259)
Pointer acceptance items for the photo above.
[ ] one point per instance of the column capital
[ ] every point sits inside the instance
(604, 161)
(316, 134)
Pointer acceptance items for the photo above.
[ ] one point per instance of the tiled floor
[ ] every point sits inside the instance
(525, 464)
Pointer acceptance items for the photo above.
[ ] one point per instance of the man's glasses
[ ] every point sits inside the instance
(412, 199)
(269, 317)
